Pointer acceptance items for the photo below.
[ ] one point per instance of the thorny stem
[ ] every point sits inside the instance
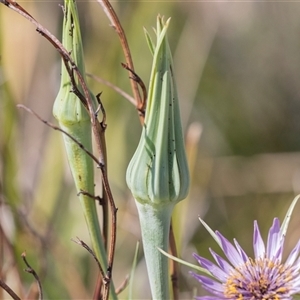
(96, 126)
(30, 270)
(112, 16)
(113, 233)
(104, 194)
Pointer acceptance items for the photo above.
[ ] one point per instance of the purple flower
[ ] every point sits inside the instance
(265, 277)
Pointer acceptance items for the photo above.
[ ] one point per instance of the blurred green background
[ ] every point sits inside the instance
(237, 67)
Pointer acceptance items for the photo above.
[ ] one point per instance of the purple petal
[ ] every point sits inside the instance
(296, 267)
(293, 255)
(209, 298)
(231, 253)
(214, 292)
(209, 284)
(279, 252)
(213, 269)
(258, 243)
(273, 239)
(223, 264)
(197, 257)
(242, 253)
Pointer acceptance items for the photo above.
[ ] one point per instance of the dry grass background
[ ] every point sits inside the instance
(237, 66)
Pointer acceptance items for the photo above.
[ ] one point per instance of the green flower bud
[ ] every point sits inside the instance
(74, 119)
(158, 172)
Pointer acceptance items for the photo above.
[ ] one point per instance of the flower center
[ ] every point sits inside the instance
(262, 278)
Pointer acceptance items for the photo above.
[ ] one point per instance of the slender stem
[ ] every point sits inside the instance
(85, 246)
(98, 288)
(30, 270)
(9, 290)
(155, 226)
(104, 194)
(114, 87)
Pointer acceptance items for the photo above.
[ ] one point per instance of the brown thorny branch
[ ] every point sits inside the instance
(98, 129)
(140, 103)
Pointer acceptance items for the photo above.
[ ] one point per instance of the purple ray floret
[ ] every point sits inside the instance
(264, 277)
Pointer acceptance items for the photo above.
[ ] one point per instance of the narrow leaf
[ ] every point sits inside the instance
(215, 237)
(149, 41)
(183, 262)
(288, 215)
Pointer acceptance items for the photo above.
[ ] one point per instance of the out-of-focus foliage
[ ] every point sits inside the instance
(237, 67)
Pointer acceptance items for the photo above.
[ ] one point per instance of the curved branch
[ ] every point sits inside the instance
(116, 24)
(30, 270)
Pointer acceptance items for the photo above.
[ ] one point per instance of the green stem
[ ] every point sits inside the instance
(155, 226)
(82, 170)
